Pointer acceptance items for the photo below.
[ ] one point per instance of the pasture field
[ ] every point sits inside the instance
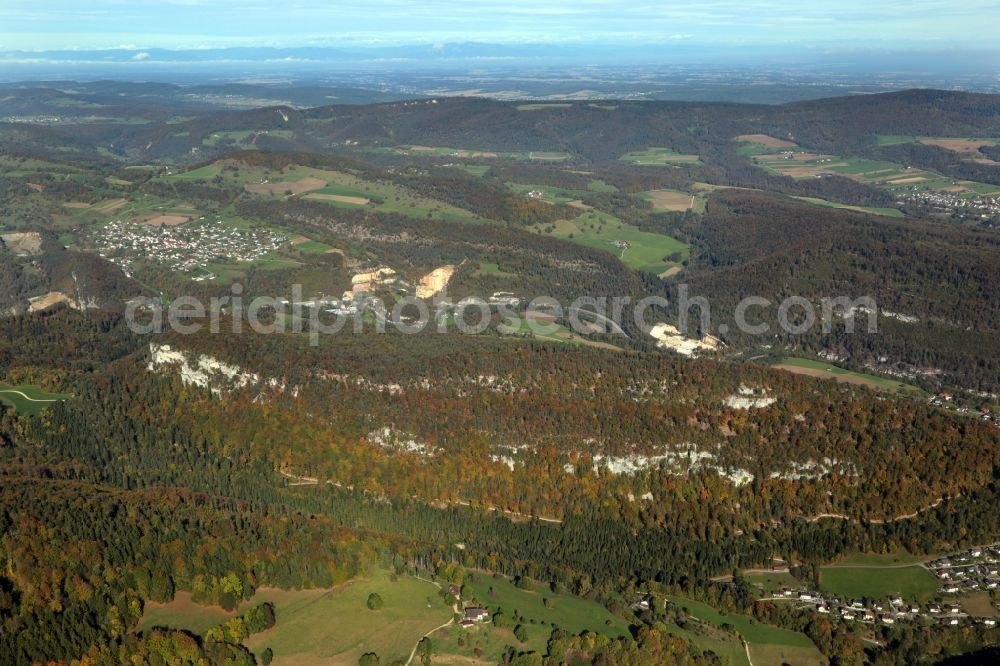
(183, 613)
(597, 185)
(658, 157)
(968, 146)
(771, 580)
(766, 140)
(561, 195)
(912, 582)
(325, 627)
(888, 175)
(552, 194)
(565, 335)
(568, 612)
(492, 268)
(245, 138)
(477, 170)
(27, 398)
(886, 212)
(805, 366)
(21, 167)
(762, 144)
(307, 246)
(768, 644)
(485, 640)
(333, 188)
(645, 251)
(207, 172)
(336, 627)
(674, 200)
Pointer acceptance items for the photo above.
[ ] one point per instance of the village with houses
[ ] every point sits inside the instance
(183, 247)
(960, 574)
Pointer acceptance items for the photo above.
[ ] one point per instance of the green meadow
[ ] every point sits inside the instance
(325, 626)
(912, 582)
(826, 370)
(646, 251)
(658, 157)
(767, 644)
(27, 398)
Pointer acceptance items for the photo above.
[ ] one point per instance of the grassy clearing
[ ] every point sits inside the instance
(673, 200)
(182, 613)
(822, 369)
(979, 605)
(887, 212)
(854, 581)
(325, 626)
(569, 613)
(772, 580)
(768, 644)
(492, 268)
(245, 138)
(313, 247)
(560, 333)
(477, 170)
(27, 398)
(658, 157)
(207, 172)
(597, 185)
(552, 194)
(893, 139)
(645, 251)
(335, 627)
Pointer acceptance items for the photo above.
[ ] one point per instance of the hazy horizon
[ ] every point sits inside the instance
(192, 24)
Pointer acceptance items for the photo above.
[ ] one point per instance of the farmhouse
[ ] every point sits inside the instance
(476, 614)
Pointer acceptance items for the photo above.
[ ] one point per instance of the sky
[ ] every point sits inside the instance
(190, 24)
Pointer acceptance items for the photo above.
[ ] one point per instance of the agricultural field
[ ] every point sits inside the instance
(674, 200)
(967, 147)
(825, 370)
(28, 399)
(326, 627)
(767, 644)
(642, 250)
(891, 176)
(334, 188)
(762, 144)
(20, 166)
(855, 581)
(658, 157)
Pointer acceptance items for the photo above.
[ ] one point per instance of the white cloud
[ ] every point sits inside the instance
(141, 56)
